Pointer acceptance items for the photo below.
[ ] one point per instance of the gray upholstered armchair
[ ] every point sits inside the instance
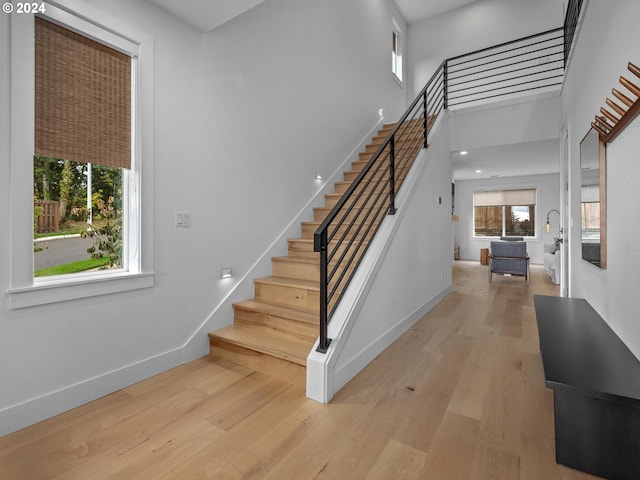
(510, 258)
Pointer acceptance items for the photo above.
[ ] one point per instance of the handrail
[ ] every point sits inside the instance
(343, 235)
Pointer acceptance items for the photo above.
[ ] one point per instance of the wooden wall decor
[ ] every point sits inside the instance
(609, 124)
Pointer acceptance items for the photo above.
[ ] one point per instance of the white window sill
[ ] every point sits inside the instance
(64, 289)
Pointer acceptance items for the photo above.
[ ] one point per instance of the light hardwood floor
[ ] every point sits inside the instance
(461, 395)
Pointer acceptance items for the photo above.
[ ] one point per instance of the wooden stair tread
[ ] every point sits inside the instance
(299, 314)
(266, 341)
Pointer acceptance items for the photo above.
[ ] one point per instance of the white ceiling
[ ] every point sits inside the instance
(415, 11)
(531, 158)
(207, 14)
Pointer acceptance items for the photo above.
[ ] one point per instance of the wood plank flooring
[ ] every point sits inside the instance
(461, 395)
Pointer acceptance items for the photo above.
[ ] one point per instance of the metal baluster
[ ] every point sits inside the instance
(392, 175)
(321, 245)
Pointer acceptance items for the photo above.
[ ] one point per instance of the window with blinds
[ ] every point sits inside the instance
(82, 147)
(82, 98)
(500, 213)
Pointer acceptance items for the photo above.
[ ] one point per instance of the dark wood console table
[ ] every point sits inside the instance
(596, 389)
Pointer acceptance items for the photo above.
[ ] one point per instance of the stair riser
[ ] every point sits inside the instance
(288, 296)
(364, 157)
(289, 326)
(332, 201)
(287, 371)
(400, 156)
(302, 271)
(308, 230)
(351, 175)
(341, 187)
(406, 135)
(305, 250)
(319, 214)
(403, 142)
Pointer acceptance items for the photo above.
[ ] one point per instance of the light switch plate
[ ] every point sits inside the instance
(183, 219)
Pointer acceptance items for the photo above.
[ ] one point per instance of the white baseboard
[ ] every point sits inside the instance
(24, 414)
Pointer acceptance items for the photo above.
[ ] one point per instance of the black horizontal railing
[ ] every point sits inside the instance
(533, 63)
(570, 25)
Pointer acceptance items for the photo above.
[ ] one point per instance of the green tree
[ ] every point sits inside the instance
(107, 239)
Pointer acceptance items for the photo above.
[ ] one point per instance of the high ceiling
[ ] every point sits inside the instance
(415, 11)
(209, 14)
(534, 158)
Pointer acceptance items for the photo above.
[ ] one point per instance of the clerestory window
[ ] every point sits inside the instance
(396, 52)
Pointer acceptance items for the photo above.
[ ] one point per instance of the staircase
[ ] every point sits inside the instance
(275, 331)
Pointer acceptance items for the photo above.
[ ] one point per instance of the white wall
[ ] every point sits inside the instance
(473, 27)
(597, 62)
(528, 119)
(548, 198)
(244, 117)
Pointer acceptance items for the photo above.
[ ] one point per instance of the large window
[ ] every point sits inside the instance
(81, 131)
(83, 145)
(504, 213)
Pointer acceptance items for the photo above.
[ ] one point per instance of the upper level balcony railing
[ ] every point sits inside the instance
(530, 64)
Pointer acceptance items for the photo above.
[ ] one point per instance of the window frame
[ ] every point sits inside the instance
(535, 215)
(396, 53)
(137, 271)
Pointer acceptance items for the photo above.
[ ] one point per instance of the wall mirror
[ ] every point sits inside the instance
(593, 204)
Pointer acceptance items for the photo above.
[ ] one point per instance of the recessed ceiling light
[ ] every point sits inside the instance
(463, 152)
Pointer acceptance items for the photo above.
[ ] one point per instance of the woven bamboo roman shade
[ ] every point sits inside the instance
(82, 98)
(504, 197)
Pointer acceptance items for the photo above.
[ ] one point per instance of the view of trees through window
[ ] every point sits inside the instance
(82, 146)
(82, 202)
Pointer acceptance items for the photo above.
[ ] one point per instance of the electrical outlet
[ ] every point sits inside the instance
(183, 219)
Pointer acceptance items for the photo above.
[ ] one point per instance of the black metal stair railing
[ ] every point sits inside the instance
(530, 64)
(533, 63)
(343, 236)
(570, 25)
